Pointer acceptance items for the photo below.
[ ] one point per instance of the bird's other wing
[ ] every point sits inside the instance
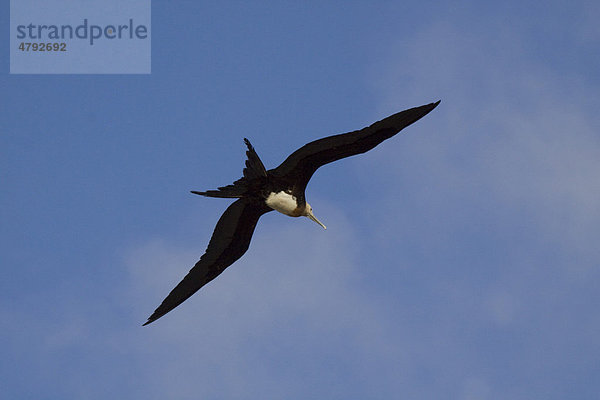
(229, 242)
(302, 163)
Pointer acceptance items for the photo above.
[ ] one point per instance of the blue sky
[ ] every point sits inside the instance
(461, 258)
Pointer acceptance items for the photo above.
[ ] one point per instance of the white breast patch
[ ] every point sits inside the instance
(283, 202)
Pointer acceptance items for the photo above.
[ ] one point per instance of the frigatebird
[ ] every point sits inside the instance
(260, 191)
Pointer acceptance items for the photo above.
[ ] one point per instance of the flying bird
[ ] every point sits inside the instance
(260, 191)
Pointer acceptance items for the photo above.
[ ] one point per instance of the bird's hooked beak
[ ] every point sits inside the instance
(310, 215)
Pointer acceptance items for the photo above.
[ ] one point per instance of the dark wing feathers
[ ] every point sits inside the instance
(229, 242)
(302, 163)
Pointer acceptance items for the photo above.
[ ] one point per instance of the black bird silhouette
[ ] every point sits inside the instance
(260, 191)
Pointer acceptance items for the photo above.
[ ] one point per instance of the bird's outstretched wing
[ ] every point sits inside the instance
(302, 163)
(229, 242)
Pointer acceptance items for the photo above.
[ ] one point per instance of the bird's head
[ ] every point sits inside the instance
(308, 212)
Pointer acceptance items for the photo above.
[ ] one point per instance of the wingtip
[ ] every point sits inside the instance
(430, 107)
(198, 193)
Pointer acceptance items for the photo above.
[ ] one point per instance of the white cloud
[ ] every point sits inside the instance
(281, 303)
(509, 130)
(497, 192)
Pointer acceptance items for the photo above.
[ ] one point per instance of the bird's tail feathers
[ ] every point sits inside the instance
(237, 190)
(254, 166)
(254, 170)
